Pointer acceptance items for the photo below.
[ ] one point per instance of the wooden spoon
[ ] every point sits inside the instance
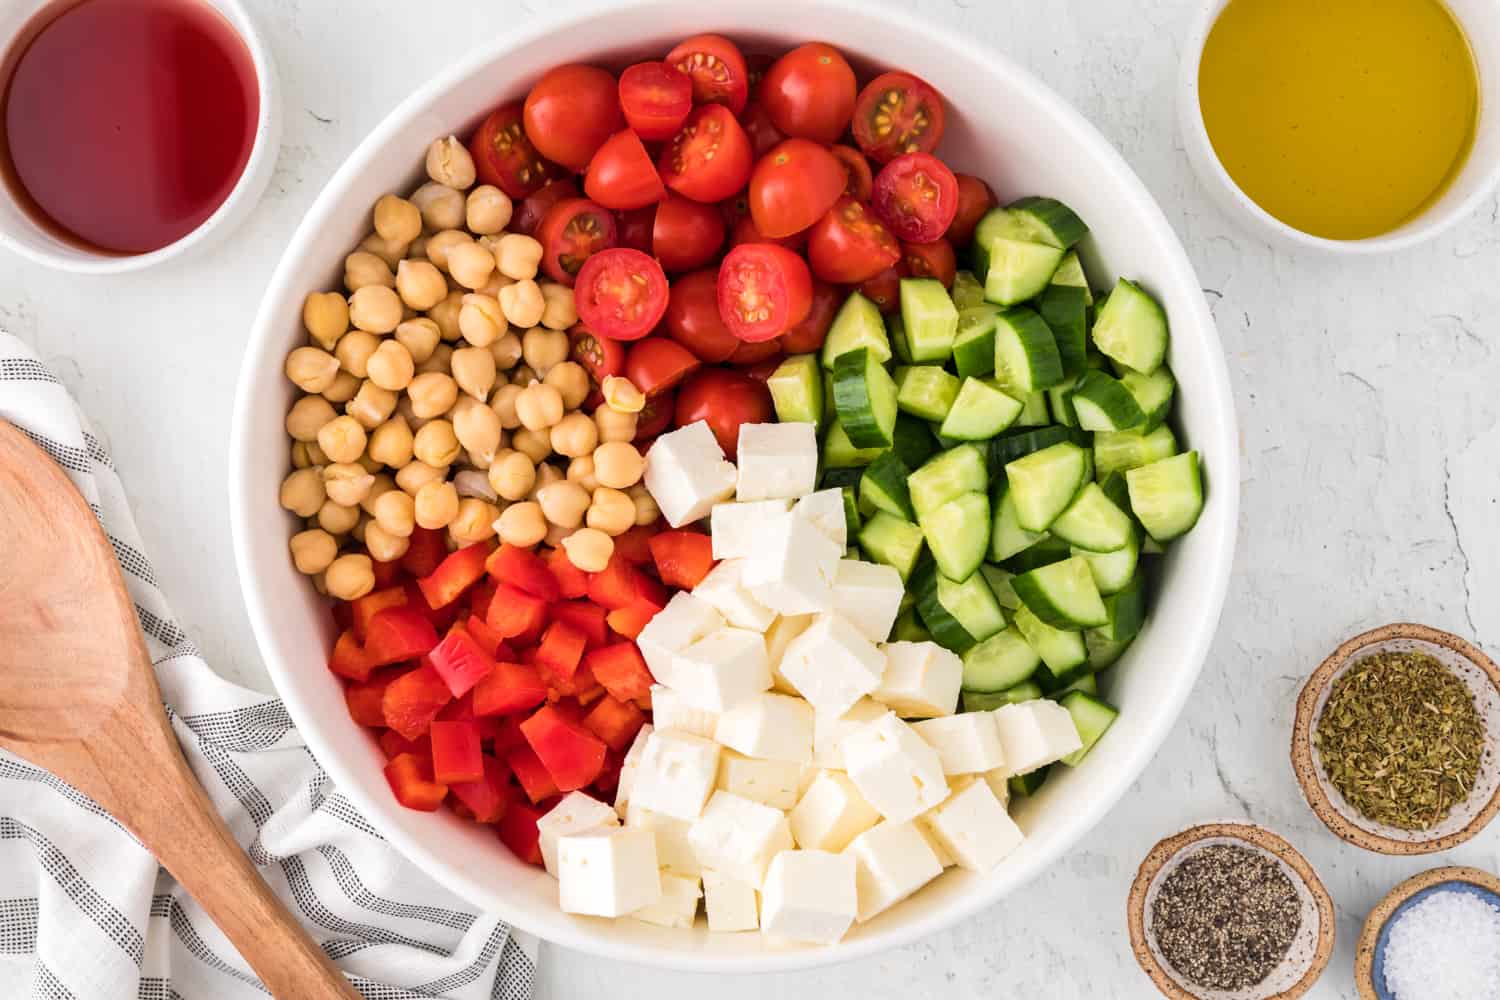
(78, 697)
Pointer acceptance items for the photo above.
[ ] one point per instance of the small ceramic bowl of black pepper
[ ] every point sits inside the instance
(1407, 760)
(1230, 911)
(1445, 908)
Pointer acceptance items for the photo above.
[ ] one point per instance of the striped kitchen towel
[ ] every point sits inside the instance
(86, 912)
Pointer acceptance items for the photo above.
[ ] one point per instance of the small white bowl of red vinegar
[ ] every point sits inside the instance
(131, 131)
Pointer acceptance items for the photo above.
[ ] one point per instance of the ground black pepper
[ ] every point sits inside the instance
(1225, 917)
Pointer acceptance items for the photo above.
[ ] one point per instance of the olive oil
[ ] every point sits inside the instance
(1342, 118)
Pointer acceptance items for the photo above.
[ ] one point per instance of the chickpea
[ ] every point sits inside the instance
(391, 442)
(346, 483)
(363, 269)
(420, 284)
(569, 379)
(546, 475)
(432, 394)
(507, 351)
(581, 471)
(337, 519)
(612, 511)
(618, 465)
(556, 535)
(307, 416)
(396, 513)
(646, 510)
(522, 375)
(474, 522)
(343, 388)
(353, 352)
(442, 207)
(475, 483)
(342, 439)
(536, 445)
(512, 474)
(383, 545)
(415, 475)
(350, 577)
(417, 250)
(369, 464)
(390, 251)
(589, 549)
(383, 484)
(477, 428)
(311, 369)
(505, 405)
(397, 220)
(441, 244)
(436, 504)
(563, 503)
(622, 395)
(300, 459)
(543, 348)
(315, 454)
(326, 317)
(575, 435)
(358, 531)
(488, 210)
(474, 371)
(470, 264)
(302, 492)
(376, 309)
(435, 443)
(497, 280)
(518, 256)
(420, 337)
(539, 406)
(371, 406)
(313, 550)
(448, 162)
(445, 314)
(522, 524)
(614, 425)
(440, 362)
(480, 321)
(560, 311)
(523, 303)
(391, 366)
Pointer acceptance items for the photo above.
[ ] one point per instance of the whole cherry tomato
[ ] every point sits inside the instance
(717, 69)
(744, 231)
(808, 335)
(570, 111)
(916, 196)
(634, 228)
(693, 317)
(686, 234)
(763, 369)
(657, 364)
(809, 92)
(764, 291)
(529, 214)
(505, 157)
(749, 355)
(850, 245)
(861, 178)
(884, 290)
(620, 293)
(975, 199)
(793, 186)
(571, 231)
(930, 260)
(655, 417)
(725, 398)
(656, 99)
(897, 113)
(599, 356)
(709, 159)
(757, 124)
(621, 175)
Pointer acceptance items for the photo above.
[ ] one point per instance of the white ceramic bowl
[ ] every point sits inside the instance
(1004, 125)
(1480, 20)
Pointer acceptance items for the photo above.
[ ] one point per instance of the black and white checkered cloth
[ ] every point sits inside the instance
(86, 912)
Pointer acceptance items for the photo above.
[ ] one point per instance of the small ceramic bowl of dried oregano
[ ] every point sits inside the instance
(1396, 742)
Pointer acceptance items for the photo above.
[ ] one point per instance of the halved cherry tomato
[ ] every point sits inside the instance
(529, 214)
(930, 260)
(808, 335)
(764, 291)
(634, 228)
(793, 186)
(759, 127)
(505, 157)
(861, 178)
(717, 69)
(599, 356)
(897, 113)
(884, 290)
(693, 317)
(748, 355)
(736, 208)
(850, 245)
(570, 111)
(656, 98)
(756, 63)
(572, 231)
(745, 232)
(621, 294)
(686, 234)
(621, 175)
(710, 158)
(655, 417)
(974, 200)
(809, 92)
(762, 370)
(657, 364)
(725, 399)
(916, 195)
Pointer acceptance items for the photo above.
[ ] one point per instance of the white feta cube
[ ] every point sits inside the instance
(731, 904)
(792, 571)
(829, 731)
(778, 637)
(809, 896)
(776, 726)
(825, 509)
(832, 665)
(892, 861)
(684, 621)
(686, 474)
(673, 852)
(671, 711)
(677, 774)
(738, 837)
(894, 768)
(966, 744)
(938, 850)
(921, 680)
(830, 814)
(630, 767)
(999, 783)
(678, 905)
(722, 669)
(724, 589)
(737, 528)
(576, 813)
(868, 596)
(974, 828)
(1034, 734)
(770, 782)
(777, 461)
(607, 873)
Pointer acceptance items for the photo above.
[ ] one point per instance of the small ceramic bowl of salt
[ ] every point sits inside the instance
(1435, 936)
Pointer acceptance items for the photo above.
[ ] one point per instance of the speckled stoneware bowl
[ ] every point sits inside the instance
(1304, 961)
(1471, 666)
(1369, 959)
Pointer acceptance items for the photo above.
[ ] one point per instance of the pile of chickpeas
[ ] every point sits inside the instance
(437, 393)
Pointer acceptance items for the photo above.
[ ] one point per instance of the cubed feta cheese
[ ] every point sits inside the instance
(892, 861)
(894, 768)
(829, 731)
(731, 904)
(922, 680)
(999, 783)
(738, 837)
(673, 852)
(938, 850)
(686, 474)
(830, 814)
(777, 461)
(630, 767)
(832, 665)
(1033, 734)
(868, 596)
(776, 726)
(778, 637)
(966, 744)
(792, 572)
(671, 711)
(974, 828)
(722, 669)
(677, 774)
(825, 509)
(684, 621)
(576, 813)
(607, 873)
(724, 589)
(737, 528)
(809, 896)
(678, 905)
(770, 782)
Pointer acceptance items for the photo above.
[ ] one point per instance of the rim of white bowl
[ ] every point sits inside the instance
(267, 342)
(242, 198)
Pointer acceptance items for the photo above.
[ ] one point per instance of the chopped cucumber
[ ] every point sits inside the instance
(946, 476)
(888, 539)
(1035, 413)
(1103, 653)
(1049, 221)
(1002, 661)
(999, 581)
(1153, 394)
(1127, 612)
(1132, 328)
(1017, 270)
(926, 391)
(854, 509)
(1092, 717)
(1065, 310)
(930, 319)
(1093, 522)
(1025, 785)
(958, 535)
(913, 441)
(1064, 655)
(1060, 403)
(1167, 496)
(1019, 443)
(1121, 451)
(958, 614)
(980, 412)
(967, 291)
(1007, 537)
(1026, 357)
(840, 453)
(986, 701)
(865, 398)
(974, 343)
(1113, 570)
(1062, 594)
(842, 478)
(884, 486)
(857, 324)
(1070, 272)
(1045, 482)
(909, 628)
(896, 330)
(1045, 552)
(1103, 403)
(1088, 683)
(797, 390)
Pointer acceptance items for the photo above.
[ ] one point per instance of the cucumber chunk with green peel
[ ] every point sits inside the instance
(1153, 394)
(958, 614)
(1093, 522)
(1026, 785)
(1065, 310)
(987, 701)
(1103, 653)
(958, 534)
(1049, 221)
(1026, 357)
(1045, 482)
(840, 453)
(909, 627)
(1151, 547)
(1131, 328)
(1000, 662)
(1017, 270)
(1088, 683)
(1167, 496)
(999, 580)
(1007, 537)
(930, 318)
(913, 442)
(1113, 571)
(884, 486)
(926, 391)
(1070, 272)
(1120, 451)
(900, 345)
(797, 390)
(967, 291)
(865, 398)
(974, 343)
(979, 412)
(1062, 650)
(1060, 403)
(1092, 716)
(1062, 595)
(1044, 553)
(857, 324)
(1103, 403)
(854, 512)
(948, 475)
(1127, 612)
(1035, 413)
(1020, 442)
(841, 478)
(890, 540)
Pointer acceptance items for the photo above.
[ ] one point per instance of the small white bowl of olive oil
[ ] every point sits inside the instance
(1347, 126)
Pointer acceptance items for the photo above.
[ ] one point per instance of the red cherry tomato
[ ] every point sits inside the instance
(808, 335)
(529, 214)
(709, 159)
(857, 167)
(570, 111)
(916, 195)
(763, 369)
(656, 99)
(657, 364)
(601, 358)
(749, 355)
(635, 228)
(930, 260)
(621, 175)
(717, 69)
(736, 208)
(726, 399)
(686, 234)
(757, 63)
(850, 245)
(655, 417)
(757, 124)
(571, 231)
(793, 186)
(505, 157)
(745, 232)
(884, 290)
(621, 294)
(764, 291)
(975, 199)
(897, 113)
(693, 317)
(809, 92)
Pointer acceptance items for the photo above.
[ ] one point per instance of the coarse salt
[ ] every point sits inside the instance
(1445, 947)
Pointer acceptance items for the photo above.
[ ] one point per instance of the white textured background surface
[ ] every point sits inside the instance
(1366, 392)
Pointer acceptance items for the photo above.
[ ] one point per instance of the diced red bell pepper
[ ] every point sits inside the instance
(517, 830)
(571, 581)
(683, 558)
(480, 596)
(454, 575)
(462, 710)
(425, 551)
(524, 570)
(622, 670)
(350, 659)
(508, 736)
(365, 698)
(386, 573)
(590, 692)
(630, 620)
(620, 584)
(587, 617)
(413, 700)
(608, 781)
(560, 651)
(488, 639)
(460, 661)
(536, 781)
(571, 754)
(635, 545)
(488, 798)
(367, 607)
(411, 780)
(613, 721)
(455, 752)
(509, 687)
(393, 745)
(514, 613)
(398, 634)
